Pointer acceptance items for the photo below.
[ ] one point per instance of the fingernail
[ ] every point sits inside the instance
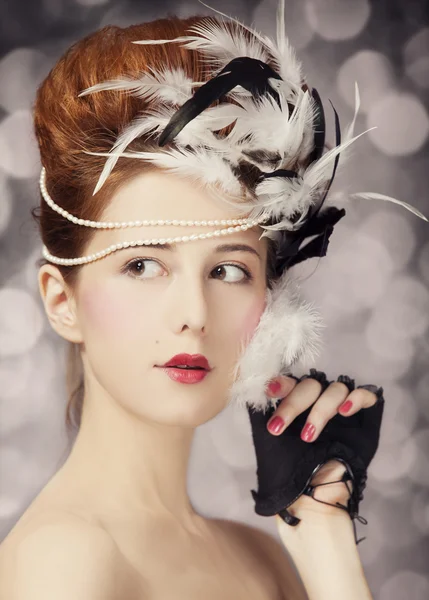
(275, 424)
(346, 406)
(274, 387)
(308, 432)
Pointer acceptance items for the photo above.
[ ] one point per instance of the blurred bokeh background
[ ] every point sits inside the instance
(372, 288)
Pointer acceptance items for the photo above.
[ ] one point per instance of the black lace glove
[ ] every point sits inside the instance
(286, 464)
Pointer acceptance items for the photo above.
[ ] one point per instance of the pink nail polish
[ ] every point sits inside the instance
(274, 387)
(275, 425)
(346, 406)
(308, 432)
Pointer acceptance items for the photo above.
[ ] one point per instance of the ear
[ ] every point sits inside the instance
(60, 304)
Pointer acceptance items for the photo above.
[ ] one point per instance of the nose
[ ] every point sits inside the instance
(186, 304)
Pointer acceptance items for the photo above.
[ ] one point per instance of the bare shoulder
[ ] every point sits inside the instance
(273, 554)
(59, 555)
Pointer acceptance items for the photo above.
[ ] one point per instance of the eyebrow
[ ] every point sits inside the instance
(218, 249)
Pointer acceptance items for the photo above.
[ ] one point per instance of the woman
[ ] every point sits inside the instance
(116, 521)
(122, 491)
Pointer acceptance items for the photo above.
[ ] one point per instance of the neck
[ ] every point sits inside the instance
(125, 465)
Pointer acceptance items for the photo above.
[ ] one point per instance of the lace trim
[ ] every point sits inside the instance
(356, 495)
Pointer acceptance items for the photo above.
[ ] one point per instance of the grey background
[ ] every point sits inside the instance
(372, 288)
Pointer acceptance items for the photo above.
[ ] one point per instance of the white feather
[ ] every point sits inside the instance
(350, 129)
(293, 95)
(206, 167)
(197, 132)
(168, 85)
(300, 122)
(138, 127)
(290, 91)
(282, 54)
(218, 117)
(218, 42)
(283, 197)
(288, 66)
(259, 121)
(289, 330)
(375, 196)
(238, 92)
(267, 126)
(319, 172)
(274, 199)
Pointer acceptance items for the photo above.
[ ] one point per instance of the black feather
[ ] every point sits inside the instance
(319, 128)
(290, 252)
(251, 73)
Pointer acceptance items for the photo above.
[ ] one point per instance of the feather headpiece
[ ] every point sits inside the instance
(278, 127)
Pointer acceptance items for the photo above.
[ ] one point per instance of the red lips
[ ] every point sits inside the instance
(188, 360)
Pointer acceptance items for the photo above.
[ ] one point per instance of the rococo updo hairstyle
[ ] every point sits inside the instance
(65, 125)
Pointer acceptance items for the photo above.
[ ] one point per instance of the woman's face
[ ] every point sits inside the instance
(134, 314)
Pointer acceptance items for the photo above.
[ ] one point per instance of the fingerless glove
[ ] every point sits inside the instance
(286, 464)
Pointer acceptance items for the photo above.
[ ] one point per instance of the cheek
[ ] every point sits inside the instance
(105, 309)
(251, 319)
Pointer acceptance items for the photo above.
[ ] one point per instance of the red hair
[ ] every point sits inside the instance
(65, 125)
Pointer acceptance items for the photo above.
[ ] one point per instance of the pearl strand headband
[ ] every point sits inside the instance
(235, 225)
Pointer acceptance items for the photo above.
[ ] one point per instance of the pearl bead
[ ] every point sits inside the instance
(239, 225)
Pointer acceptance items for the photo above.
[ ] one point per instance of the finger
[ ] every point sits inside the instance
(324, 409)
(280, 386)
(357, 400)
(302, 396)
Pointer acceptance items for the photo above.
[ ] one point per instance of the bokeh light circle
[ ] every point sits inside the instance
(5, 203)
(401, 314)
(232, 438)
(401, 414)
(92, 2)
(420, 510)
(395, 461)
(402, 124)
(421, 395)
(416, 58)
(347, 289)
(210, 477)
(373, 73)
(397, 533)
(21, 71)
(21, 321)
(419, 469)
(338, 19)
(393, 229)
(423, 262)
(298, 29)
(405, 584)
(18, 148)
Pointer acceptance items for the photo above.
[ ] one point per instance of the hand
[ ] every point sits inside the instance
(297, 397)
(286, 464)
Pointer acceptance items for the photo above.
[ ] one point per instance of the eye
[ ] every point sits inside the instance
(248, 277)
(137, 266)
